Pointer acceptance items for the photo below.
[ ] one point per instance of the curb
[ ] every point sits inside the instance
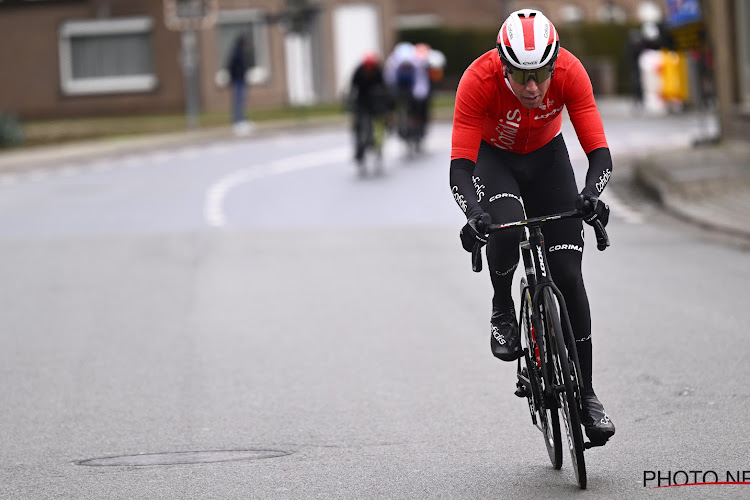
(24, 159)
(50, 156)
(706, 186)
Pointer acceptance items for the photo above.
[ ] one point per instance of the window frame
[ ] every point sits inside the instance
(104, 85)
(261, 72)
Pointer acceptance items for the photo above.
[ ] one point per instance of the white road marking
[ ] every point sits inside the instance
(310, 160)
(213, 211)
(213, 208)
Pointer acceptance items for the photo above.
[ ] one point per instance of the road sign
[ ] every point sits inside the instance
(681, 12)
(688, 36)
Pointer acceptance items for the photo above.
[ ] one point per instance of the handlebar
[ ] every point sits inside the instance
(602, 240)
(476, 258)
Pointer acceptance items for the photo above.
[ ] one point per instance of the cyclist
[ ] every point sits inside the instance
(421, 90)
(407, 73)
(368, 99)
(508, 157)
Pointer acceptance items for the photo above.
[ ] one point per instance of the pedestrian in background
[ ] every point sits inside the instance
(237, 67)
(632, 53)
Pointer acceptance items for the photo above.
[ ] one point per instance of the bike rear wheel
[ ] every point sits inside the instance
(541, 402)
(566, 390)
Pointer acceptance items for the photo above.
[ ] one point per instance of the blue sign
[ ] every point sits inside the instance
(683, 12)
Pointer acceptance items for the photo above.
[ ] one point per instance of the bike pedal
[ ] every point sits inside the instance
(521, 392)
(594, 444)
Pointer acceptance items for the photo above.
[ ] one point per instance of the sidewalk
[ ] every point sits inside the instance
(24, 159)
(49, 156)
(707, 185)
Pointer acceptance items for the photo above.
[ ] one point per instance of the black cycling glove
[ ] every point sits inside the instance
(474, 231)
(593, 209)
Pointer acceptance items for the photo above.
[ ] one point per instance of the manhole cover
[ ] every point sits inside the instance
(183, 457)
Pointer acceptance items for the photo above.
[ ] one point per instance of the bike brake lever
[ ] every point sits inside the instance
(602, 240)
(476, 258)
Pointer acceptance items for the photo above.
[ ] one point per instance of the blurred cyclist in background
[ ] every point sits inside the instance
(368, 100)
(436, 71)
(407, 74)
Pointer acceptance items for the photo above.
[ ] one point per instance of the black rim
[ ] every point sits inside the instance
(566, 394)
(548, 418)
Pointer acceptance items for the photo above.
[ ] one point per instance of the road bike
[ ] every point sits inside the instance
(369, 138)
(410, 123)
(548, 373)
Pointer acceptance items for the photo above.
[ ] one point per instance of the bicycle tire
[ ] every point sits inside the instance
(566, 395)
(379, 133)
(549, 419)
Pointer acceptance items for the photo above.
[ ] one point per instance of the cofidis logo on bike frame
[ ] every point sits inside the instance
(670, 479)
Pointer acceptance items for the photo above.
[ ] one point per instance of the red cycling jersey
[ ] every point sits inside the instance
(487, 109)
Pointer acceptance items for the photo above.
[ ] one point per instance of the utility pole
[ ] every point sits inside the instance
(189, 17)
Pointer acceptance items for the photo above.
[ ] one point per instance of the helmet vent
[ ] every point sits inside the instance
(513, 57)
(546, 52)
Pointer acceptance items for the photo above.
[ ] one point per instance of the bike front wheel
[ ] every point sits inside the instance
(540, 375)
(566, 389)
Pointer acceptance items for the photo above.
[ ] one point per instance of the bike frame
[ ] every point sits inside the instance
(538, 283)
(539, 277)
(370, 130)
(537, 269)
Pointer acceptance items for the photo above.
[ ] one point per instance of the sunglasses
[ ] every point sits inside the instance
(524, 75)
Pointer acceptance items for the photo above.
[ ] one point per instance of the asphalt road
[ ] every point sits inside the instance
(249, 319)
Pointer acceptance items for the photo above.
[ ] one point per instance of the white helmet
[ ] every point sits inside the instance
(527, 40)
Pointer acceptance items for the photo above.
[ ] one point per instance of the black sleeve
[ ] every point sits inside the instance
(462, 186)
(599, 173)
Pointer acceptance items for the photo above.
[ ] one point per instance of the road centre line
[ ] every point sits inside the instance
(213, 208)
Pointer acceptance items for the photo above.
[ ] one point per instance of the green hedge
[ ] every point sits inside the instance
(601, 41)
(589, 42)
(460, 46)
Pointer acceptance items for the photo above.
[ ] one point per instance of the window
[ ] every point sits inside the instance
(251, 24)
(571, 14)
(106, 56)
(743, 63)
(611, 13)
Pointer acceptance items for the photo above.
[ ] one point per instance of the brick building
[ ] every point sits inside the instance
(490, 13)
(103, 57)
(106, 57)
